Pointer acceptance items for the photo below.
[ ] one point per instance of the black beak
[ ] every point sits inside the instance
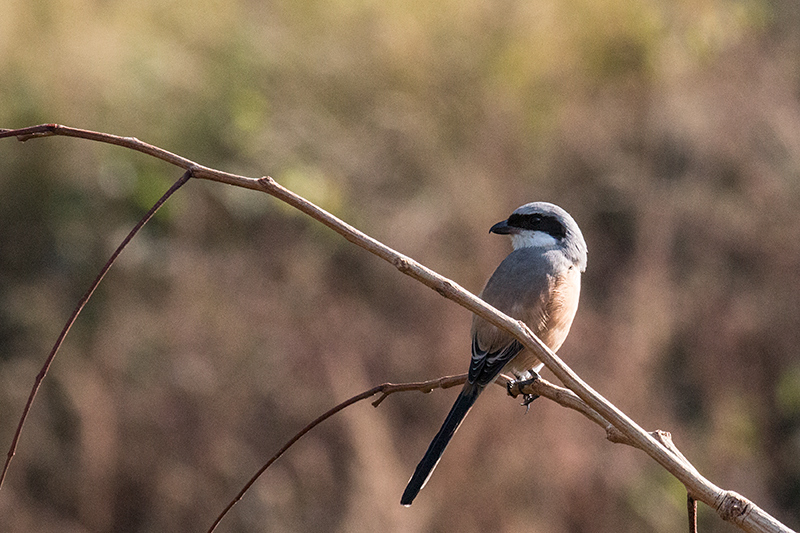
(502, 228)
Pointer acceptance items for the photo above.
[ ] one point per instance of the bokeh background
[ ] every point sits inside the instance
(669, 129)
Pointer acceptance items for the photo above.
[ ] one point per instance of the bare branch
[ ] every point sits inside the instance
(74, 316)
(691, 507)
(730, 506)
(384, 390)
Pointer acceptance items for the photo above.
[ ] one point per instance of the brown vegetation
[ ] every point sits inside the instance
(671, 133)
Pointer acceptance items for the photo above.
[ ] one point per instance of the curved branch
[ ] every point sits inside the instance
(74, 316)
(729, 505)
(384, 390)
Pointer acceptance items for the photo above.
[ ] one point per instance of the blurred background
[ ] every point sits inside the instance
(670, 130)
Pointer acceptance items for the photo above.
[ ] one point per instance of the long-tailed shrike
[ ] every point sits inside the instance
(539, 282)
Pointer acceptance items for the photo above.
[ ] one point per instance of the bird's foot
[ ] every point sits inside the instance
(518, 385)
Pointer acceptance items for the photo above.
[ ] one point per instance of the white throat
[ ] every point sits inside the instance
(532, 239)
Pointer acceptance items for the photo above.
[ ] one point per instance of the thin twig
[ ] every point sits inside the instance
(49, 130)
(384, 390)
(691, 507)
(77, 311)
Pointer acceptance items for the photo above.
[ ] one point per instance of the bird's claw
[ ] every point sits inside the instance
(512, 388)
(516, 386)
(527, 400)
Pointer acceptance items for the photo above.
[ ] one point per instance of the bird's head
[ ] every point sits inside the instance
(547, 226)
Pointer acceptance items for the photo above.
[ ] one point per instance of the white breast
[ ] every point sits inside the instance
(533, 239)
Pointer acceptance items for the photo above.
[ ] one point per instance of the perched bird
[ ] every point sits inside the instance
(539, 282)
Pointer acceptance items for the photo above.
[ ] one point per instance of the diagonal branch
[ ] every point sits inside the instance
(729, 505)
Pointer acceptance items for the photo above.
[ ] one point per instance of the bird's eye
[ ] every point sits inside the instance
(524, 221)
(538, 222)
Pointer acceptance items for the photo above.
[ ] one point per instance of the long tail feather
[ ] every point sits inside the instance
(463, 404)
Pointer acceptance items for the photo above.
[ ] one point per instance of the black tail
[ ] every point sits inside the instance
(463, 404)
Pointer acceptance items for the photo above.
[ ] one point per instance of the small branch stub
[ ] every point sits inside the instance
(732, 507)
(402, 264)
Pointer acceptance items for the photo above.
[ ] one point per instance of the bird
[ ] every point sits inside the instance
(539, 283)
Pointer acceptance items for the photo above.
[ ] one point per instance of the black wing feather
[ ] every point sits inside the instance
(485, 365)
